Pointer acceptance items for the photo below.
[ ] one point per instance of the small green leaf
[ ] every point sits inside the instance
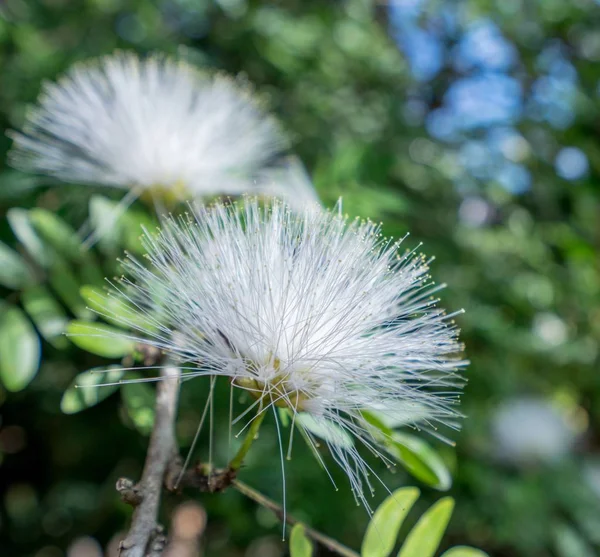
(284, 416)
(65, 240)
(24, 231)
(47, 314)
(313, 449)
(14, 272)
(116, 228)
(464, 551)
(15, 185)
(132, 226)
(139, 403)
(104, 216)
(325, 429)
(85, 392)
(99, 339)
(420, 459)
(424, 539)
(19, 349)
(113, 309)
(400, 414)
(60, 235)
(300, 545)
(383, 528)
(102, 304)
(375, 420)
(569, 542)
(64, 282)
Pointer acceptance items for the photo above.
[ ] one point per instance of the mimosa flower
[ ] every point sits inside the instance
(309, 312)
(159, 127)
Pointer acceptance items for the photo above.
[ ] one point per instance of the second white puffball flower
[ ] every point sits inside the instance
(308, 311)
(155, 126)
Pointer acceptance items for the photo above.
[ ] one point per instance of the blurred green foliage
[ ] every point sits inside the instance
(523, 262)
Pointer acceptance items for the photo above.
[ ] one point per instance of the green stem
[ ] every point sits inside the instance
(238, 459)
(267, 503)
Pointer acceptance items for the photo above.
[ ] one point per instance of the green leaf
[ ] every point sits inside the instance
(325, 429)
(284, 416)
(383, 528)
(464, 551)
(99, 339)
(132, 226)
(375, 420)
(300, 545)
(107, 307)
(19, 348)
(420, 459)
(113, 309)
(15, 185)
(14, 272)
(313, 449)
(65, 240)
(60, 235)
(85, 392)
(424, 539)
(104, 215)
(65, 284)
(116, 228)
(24, 231)
(400, 414)
(47, 314)
(569, 542)
(139, 401)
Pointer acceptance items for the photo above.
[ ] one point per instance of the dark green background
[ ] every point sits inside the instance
(357, 110)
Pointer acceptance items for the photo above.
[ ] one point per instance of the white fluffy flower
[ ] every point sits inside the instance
(308, 311)
(154, 124)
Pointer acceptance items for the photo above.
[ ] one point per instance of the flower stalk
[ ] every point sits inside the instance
(236, 462)
(325, 541)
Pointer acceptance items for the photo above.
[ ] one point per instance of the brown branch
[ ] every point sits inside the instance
(145, 538)
(202, 477)
(324, 540)
(164, 466)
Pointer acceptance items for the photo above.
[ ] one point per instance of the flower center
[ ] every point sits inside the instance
(277, 389)
(169, 194)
